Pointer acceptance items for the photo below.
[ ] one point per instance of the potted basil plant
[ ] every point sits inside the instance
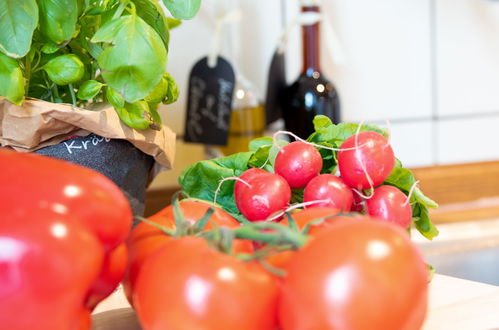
(88, 51)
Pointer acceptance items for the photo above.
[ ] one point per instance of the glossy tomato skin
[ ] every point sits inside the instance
(328, 187)
(298, 162)
(360, 275)
(111, 273)
(264, 194)
(188, 285)
(373, 153)
(46, 269)
(146, 239)
(390, 204)
(47, 183)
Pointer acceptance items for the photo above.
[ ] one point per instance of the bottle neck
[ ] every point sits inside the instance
(311, 40)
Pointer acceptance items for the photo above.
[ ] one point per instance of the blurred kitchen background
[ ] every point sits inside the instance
(431, 68)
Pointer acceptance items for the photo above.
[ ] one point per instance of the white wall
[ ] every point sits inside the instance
(429, 67)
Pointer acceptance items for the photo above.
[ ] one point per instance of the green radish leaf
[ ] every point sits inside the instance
(65, 69)
(50, 48)
(18, 20)
(257, 143)
(183, 9)
(114, 98)
(173, 91)
(58, 19)
(201, 179)
(422, 222)
(11, 80)
(135, 60)
(89, 89)
(152, 14)
(326, 131)
(404, 179)
(135, 115)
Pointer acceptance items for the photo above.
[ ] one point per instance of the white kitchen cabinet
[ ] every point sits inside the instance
(467, 57)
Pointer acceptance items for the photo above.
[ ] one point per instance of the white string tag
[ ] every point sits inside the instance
(220, 22)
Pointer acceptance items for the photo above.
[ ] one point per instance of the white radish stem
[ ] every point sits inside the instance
(274, 139)
(411, 191)
(235, 178)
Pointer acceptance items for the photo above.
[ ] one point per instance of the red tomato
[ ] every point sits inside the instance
(298, 162)
(188, 285)
(359, 275)
(67, 189)
(46, 269)
(328, 187)
(146, 239)
(373, 156)
(262, 195)
(112, 272)
(390, 204)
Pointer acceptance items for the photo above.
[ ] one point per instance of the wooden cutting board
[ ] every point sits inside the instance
(455, 304)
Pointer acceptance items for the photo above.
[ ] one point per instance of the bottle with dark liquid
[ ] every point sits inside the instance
(311, 94)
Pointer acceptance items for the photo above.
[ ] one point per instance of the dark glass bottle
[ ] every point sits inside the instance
(311, 94)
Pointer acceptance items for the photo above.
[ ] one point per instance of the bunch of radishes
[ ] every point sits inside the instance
(365, 160)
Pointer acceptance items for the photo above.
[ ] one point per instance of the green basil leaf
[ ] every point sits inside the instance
(65, 69)
(173, 91)
(114, 98)
(18, 20)
(50, 48)
(135, 60)
(156, 118)
(11, 80)
(201, 179)
(89, 89)
(58, 19)
(135, 115)
(152, 14)
(158, 93)
(183, 9)
(172, 22)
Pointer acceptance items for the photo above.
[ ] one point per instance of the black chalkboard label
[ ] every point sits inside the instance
(276, 85)
(209, 102)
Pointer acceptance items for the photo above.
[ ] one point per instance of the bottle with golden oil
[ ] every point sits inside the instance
(247, 120)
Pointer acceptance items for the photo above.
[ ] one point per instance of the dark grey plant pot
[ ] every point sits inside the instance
(119, 160)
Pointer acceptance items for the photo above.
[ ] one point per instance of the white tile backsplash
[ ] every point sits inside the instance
(467, 50)
(467, 140)
(413, 142)
(386, 74)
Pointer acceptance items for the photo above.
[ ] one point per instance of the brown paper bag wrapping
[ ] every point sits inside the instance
(37, 124)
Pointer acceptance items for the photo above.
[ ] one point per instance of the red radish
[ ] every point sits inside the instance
(358, 203)
(298, 162)
(329, 187)
(263, 194)
(365, 160)
(390, 204)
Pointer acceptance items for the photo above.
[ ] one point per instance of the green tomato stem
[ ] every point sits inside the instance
(284, 234)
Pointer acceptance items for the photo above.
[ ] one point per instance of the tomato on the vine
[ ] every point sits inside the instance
(146, 239)
(360, 274)
(189, 285)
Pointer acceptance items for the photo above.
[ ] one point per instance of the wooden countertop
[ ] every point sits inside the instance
(455, 304)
